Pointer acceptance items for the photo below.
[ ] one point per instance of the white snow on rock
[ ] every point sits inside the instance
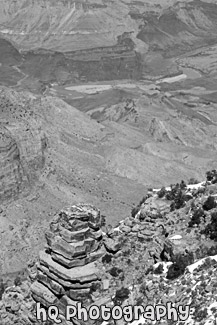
(164, 264)
(196, 186)
(193, 267)
(189, 187)
(168, 188)
(117, 229)
(176, 237)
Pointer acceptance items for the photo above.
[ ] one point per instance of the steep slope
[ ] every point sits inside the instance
(79, 24)
(83, 25)
(8, 53)
(22, 146)
(10, 57)
(80, 42)
(194, 25)
(163, 256)
(102, 63)
(60, 161)
(12, 174)
(55, 155)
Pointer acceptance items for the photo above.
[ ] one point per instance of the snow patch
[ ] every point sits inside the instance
(189, 187)
(165, 266)
(195, 265)
(176, 237)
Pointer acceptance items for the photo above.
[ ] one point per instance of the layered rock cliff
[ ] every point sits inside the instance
(83, 41)
(92, 24)
(21, 149)
(166, 251)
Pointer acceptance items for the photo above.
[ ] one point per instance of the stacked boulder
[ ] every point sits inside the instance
(67, 271)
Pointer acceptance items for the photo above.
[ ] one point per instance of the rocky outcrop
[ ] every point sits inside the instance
(161, 131)
(11, 171)
(157, 32)
(97, 64)
(96, 50)
(148, 258)
(17, 305)
(22, 145)
(21, 157)
(84, 23)
(67, 271)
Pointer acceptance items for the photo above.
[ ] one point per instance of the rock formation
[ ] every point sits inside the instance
(22, 145)
(71, 270)
(153, 257)
(17, 305)
(12, 174)
(19, 161)
(67, 272)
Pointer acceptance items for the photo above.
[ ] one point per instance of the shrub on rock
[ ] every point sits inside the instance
(211, 176)
(107, 258)
(210, 203)
(115, 271)
(17, 281)
(162, 192)
(183, 185)
(196, 217)
(179, 264)
(193, 181)
(179, 201)
(135, 211)
(211, 228)
(121, 295)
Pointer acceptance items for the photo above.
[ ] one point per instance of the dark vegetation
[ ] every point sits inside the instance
(107, 258)
(115, 271)
(198, 214)
(211, 176)
(162, 192)
(159, 269)
(211, 228)
(121, 295)
(136, 209)
(193, 181)
(2, 288)
(17, 281)
(177, 195)
(210, 203)
(179, 264)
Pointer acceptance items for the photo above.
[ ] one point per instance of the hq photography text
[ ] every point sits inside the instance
(104, 313)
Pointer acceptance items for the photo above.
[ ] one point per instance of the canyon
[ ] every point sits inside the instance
(101, 101)
(94, 123)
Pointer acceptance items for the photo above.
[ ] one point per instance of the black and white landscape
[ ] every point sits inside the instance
(108, 156)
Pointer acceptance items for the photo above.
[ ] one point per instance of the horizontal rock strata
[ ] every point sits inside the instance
(67, 270)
